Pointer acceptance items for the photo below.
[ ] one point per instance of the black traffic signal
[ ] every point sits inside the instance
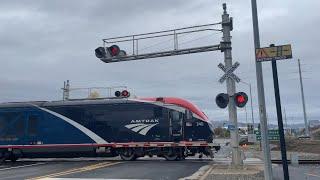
(240, 99)
(100, 52)
(117, 93)
(124, 93)
(222, 100)
(109, 52)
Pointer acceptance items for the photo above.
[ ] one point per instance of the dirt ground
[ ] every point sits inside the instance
(297, 145)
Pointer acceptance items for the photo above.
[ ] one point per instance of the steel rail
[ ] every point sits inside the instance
(301, 161)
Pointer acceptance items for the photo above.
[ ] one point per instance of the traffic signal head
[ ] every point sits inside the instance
(100, 52)
(117, 93)
(114, 50)
(222, 100)
(124, 93)
(109, 52)
(240, 99)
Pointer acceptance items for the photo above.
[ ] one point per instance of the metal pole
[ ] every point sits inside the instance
(280, 122)
(261, 99)
(137, 49)
(67, 90)
(231, 88)
(245, 109)
(249, 84)
(285, 118)
(64, 91)
(174, 40)
(252, 118)
(307, 133)
(133, 45)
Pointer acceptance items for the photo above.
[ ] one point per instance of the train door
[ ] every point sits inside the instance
(33, 119)
(176, 121)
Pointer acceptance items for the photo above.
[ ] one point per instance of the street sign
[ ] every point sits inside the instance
(273, 135)
(229, 72)
(273, 53)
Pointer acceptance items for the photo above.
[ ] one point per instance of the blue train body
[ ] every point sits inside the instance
(130, 128)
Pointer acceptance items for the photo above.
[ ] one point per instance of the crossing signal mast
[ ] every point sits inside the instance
(111, 52)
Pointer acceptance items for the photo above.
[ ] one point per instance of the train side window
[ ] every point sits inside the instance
(158, 112)
(3, 123)
(32, 126)
(20, 126)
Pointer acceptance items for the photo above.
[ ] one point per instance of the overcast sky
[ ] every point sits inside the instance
(43, 43)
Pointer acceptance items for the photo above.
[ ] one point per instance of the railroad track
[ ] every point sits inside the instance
(301, 161)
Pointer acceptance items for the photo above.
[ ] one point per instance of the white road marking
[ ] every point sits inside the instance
(16, 167)
(87, 179)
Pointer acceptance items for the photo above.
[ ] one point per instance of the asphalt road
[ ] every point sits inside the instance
(147, 168)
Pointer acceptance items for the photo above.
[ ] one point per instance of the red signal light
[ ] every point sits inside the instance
(125, 93)
(240, 99)
(114, 50)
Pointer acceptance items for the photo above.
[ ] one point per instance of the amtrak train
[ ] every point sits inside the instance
(167, 127)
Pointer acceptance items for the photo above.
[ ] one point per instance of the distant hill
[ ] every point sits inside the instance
(270, 126)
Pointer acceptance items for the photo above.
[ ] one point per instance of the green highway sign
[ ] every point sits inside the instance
(273, 134)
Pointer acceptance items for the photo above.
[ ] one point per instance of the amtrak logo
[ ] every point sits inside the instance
(142, 128)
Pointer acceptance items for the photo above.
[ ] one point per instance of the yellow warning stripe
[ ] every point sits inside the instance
(77, 170)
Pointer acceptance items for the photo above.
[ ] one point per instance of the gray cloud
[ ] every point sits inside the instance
(44, 43)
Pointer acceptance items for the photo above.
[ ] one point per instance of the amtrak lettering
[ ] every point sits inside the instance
(145, 121)
(142, 126)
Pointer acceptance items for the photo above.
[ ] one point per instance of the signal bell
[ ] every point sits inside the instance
(222, 100)
(240, 99)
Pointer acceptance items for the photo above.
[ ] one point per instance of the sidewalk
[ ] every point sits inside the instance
(221, 169)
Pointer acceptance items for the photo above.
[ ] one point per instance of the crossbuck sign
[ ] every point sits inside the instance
(229, 72)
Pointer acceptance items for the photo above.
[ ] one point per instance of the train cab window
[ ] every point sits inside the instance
(32, 126)
(176, 116)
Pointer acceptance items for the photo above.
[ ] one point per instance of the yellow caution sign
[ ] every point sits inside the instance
(273, 53)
